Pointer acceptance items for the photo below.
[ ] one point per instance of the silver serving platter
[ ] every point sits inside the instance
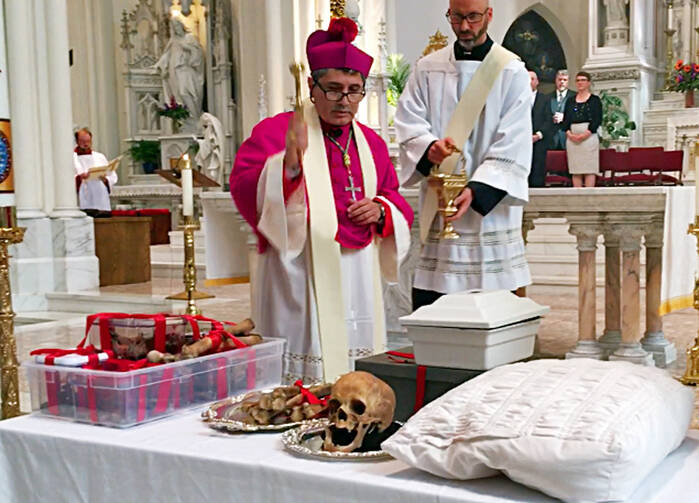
(217, 416)
(306, 441)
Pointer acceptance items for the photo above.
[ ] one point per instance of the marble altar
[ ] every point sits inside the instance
(230, 246)
(623, 216)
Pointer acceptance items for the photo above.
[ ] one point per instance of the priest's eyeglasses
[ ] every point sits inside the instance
(471, 17)
(332, 95)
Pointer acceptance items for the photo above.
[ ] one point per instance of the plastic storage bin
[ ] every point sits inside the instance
(123, 399)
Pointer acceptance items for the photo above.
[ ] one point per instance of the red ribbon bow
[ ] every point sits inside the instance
(310, 397)
(52, 353)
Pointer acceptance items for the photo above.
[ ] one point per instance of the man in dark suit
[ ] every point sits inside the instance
(541, 132)
(557, 105)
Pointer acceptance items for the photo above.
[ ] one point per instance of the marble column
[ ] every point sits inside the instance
(25, 156)
(65, 201)
(630, 348)
(611, 338)
(275, 89)
(654, 341)
(527, 225)
(587, 346)
(58, 251)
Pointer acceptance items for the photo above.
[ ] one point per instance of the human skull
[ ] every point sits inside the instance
(359, 402)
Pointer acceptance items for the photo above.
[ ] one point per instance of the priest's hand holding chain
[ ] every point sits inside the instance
(364, 212)
(296, 145)
(463, 202)
(440, 150)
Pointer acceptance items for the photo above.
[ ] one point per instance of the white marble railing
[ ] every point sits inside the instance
(625, 217)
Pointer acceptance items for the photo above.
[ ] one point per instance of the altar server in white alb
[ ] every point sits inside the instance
(93, 195)
(322, 195)
(474, 96)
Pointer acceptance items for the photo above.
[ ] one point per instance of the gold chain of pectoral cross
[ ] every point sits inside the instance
(347, 162)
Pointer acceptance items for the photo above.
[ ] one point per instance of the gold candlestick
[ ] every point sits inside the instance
(9, 378)
(691, 374)
(189, 275)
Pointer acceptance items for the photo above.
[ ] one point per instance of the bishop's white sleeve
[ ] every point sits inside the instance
(413, 131)
(393, 248)
(507, 161)
(282, 223)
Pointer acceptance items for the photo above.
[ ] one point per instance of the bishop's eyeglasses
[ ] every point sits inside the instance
(471, 17)
(332, 95)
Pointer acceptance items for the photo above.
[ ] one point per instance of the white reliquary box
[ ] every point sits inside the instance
(477, 330)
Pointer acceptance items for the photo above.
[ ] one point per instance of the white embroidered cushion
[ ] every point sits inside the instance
(578, 430)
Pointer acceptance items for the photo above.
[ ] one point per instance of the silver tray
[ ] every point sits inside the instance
(217, 417)
(306, 441)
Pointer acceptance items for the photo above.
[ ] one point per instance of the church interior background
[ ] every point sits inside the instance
(111, 84)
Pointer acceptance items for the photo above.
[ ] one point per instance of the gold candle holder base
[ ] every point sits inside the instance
(691, 374)
(448, 187)
(190, 293)
(9, 377)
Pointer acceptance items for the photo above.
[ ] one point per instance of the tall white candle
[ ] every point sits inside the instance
(669, 16)
(187, 191)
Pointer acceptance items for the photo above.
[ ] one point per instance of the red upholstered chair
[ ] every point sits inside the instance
(607, 157)
(643, 161)
(670, 162)
(557, 169)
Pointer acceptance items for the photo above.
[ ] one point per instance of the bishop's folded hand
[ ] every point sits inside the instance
(440, 150)
(296, 145)
(364, 212)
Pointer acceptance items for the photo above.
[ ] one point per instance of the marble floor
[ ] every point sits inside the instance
(557, 335)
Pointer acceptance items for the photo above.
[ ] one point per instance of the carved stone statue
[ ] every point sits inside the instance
(352, 10)
(210, 156)
(181, 67)
(616, 12)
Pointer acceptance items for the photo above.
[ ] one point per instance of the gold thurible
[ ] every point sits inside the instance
(448, 187)
(691, 374)
(9, 378)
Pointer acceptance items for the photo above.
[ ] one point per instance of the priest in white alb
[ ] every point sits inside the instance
(93, 194)
(321, 194)
(467, 109)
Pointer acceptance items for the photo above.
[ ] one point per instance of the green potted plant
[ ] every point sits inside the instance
(146, 152)
(616, 126)
(398, 70)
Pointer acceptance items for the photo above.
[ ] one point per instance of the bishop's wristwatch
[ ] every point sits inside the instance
(382, 217)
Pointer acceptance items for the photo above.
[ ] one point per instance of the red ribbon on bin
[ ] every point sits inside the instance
(419, 377)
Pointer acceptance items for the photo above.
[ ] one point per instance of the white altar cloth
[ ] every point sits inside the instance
(180, 459)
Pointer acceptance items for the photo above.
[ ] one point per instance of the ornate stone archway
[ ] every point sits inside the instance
(533, 39)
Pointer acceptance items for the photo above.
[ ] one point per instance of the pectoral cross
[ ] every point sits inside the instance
(352, 189)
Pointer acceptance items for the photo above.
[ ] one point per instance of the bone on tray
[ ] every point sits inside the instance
(285, 404)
